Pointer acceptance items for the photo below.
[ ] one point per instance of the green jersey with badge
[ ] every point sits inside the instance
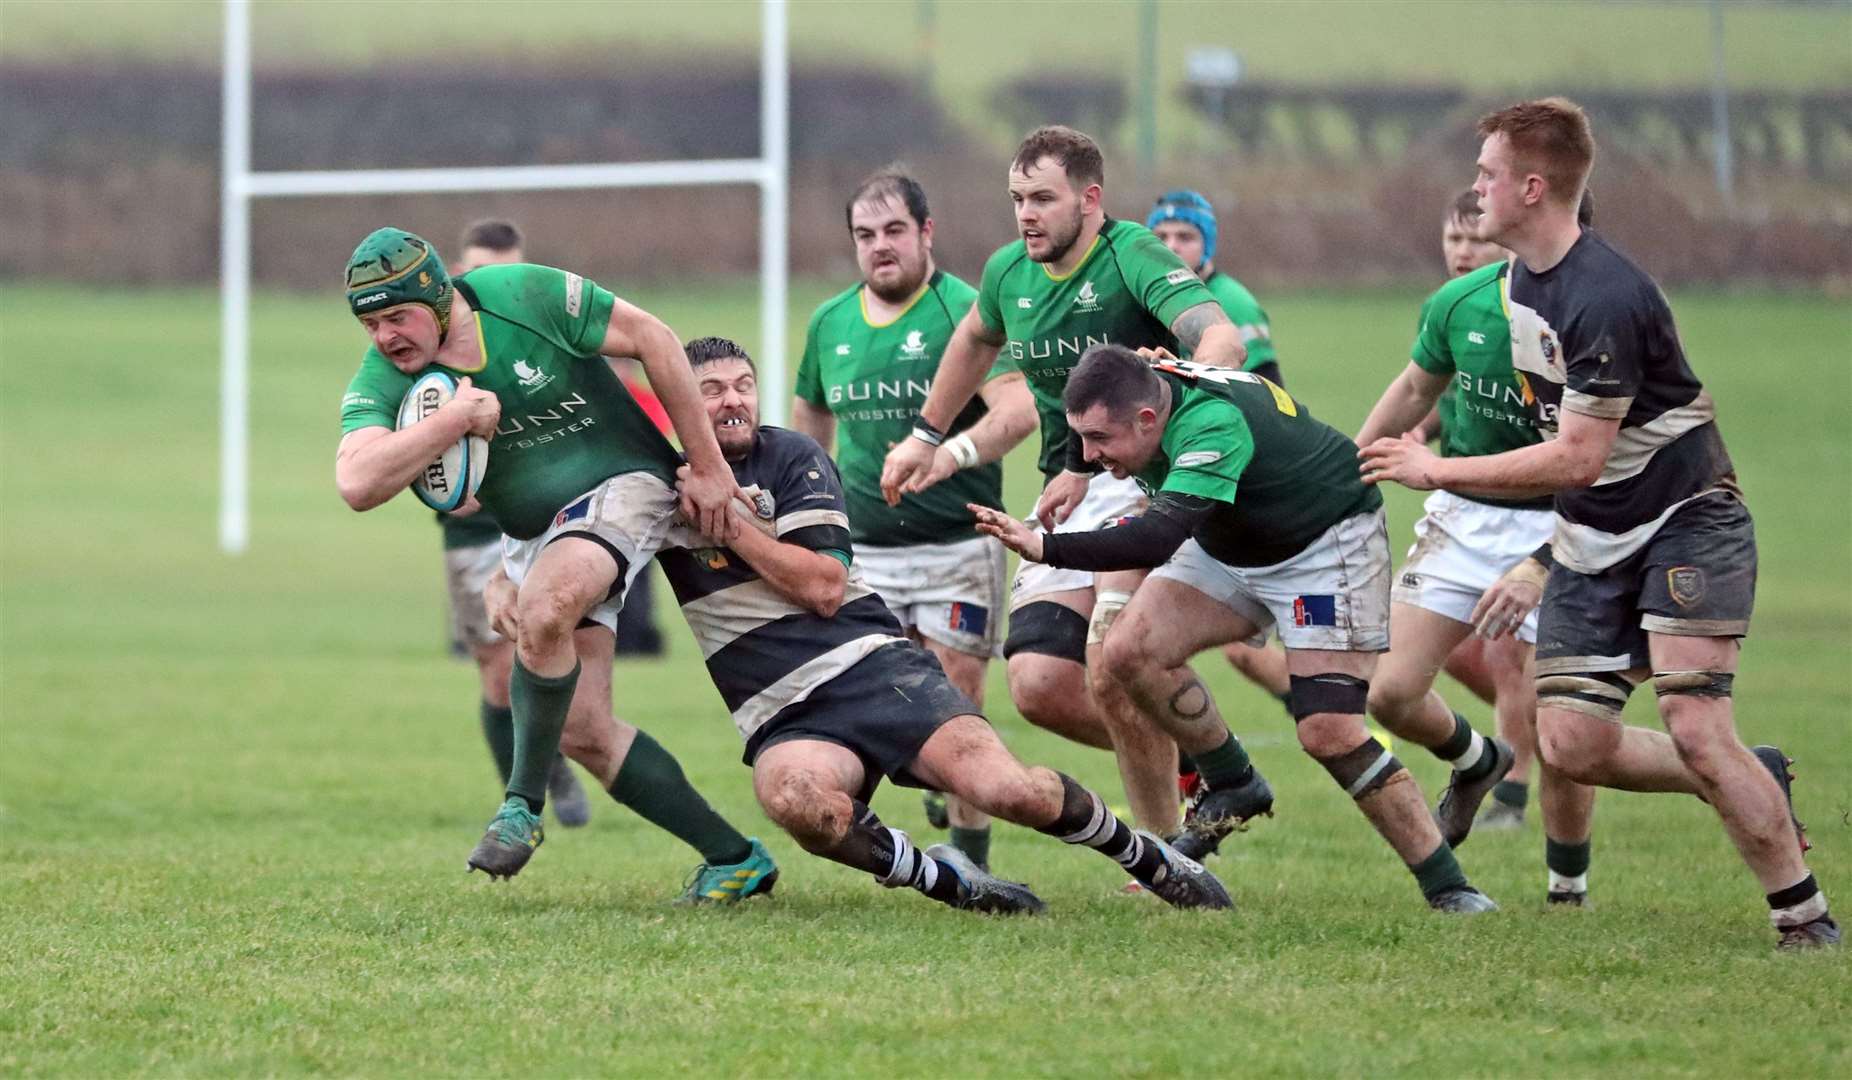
(1465, 337)
(568, 424)
(1247, 315)
(1127, 290)
(874, 378)
(1239, 440)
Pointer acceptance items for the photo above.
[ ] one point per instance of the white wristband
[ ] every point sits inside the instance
(963, 450)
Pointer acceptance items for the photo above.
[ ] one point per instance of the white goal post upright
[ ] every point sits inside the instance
(239, 185)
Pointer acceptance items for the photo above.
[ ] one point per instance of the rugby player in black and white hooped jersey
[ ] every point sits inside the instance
(1654, 552)
(830, 697)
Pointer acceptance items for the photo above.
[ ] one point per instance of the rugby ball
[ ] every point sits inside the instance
(449, 481)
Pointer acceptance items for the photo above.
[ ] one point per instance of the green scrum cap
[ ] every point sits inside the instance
(393, 267)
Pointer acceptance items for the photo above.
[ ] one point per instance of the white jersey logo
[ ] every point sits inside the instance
(842, 350)
(1024, 302)
(1198, 457)
(1475, 337)
(532, 378)
(915, 346)
(1086, 299)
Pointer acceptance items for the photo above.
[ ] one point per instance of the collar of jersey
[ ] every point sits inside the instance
(925, 287)
(1084, 259)
(482, 348)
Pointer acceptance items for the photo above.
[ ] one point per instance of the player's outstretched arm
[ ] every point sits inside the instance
(816, 421)
(1574, 459)
(1009, 419)
(1403, 404)
(1205, 332)
(967, 359)
(710, 486)
(373, 464)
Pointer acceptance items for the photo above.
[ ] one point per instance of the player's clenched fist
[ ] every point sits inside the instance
(906, 469)
(481, 408)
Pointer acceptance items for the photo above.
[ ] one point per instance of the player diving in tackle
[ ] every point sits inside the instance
(1257, 519)
(579, 480)
(1076, 278)
(830, 697)
(869, 358)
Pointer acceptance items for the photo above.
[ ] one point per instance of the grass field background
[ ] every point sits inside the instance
(236, 793)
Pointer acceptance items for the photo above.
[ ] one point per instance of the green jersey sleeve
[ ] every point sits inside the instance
(570, 311)
(810, 367)
(373, 396)
(1209, 447)
(1155, 275)
(990, 286)
(1431, 353)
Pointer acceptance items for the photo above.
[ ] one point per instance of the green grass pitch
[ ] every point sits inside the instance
(236, 793)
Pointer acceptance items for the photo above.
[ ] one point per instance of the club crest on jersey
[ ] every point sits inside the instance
(1685, 584)
(915, 345)
(1318, 610)
(1086, 299)
(532, 378)
(1546, 341)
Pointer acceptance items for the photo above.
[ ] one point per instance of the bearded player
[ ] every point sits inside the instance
(1654, 550)
(579, 480)
(869, 357)
(1076, 278)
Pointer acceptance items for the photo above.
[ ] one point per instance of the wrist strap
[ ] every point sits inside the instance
(926, 433)
(963, 450)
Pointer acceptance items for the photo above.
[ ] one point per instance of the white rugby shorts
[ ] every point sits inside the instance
(630, 513)
(1332, 596)
(1106, 500)
(950, 593)
(1461, 548)
(466, 571)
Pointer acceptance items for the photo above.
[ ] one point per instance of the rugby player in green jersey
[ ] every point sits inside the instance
(1257, 520)
(1075, 278)
(472, 553)
(578, 478)
(1185, 221)
(869, 357)
(1654, 552)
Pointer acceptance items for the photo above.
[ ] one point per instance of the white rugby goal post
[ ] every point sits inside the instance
(239, 185)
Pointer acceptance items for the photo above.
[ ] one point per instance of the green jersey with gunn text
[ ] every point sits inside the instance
(1248, 316)
(567, 422)
(1127, 290)
(874, 378)
(1239, 440)
(1465, 337)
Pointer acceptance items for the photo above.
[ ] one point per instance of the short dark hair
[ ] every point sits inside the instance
(1113, 376)
(892, 182)
(1078, 155)
(1464, 206)
(706, 350)
(494, 234)
(1551, 137)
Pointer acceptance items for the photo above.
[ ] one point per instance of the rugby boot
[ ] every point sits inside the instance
(1462, 900)
(1500, 817)
(1817, 934)
(566, 795)
(936, 813)
(1182, 882)
(1216, 812)
(1777, 764)
(512, 836)
(981, 891)
(1454, 813)
(731, 883)
(1566, 898)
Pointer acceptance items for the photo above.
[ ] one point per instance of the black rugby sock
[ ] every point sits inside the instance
(890, 856)
(1085, 821)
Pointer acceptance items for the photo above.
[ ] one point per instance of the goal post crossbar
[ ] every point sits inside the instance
(239, 186)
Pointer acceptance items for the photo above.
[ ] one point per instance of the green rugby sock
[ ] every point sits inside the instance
(1225, 766)
(498, 729)
(539, 706)
(973, 842)
(651, 782)
(1512, 793)
(1439, 872)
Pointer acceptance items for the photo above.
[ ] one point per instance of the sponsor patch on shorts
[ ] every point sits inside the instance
(968, 618)
(1315, 610)
(574, 512)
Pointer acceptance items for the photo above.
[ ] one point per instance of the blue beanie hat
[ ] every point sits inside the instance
(1190, 208)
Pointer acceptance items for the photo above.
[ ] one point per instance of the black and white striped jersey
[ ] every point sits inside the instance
(763, 651)
(1594, 335)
